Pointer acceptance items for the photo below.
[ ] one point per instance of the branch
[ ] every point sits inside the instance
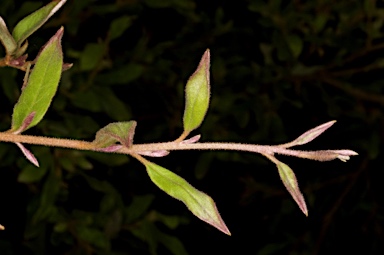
(320, 155)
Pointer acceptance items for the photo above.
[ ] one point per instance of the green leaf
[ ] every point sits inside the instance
(42, 84)
(94, 236)
(118, 26)
(122, 75)
(31, 174)
(6, 38)
(121, 132)
(137, 208)
(173, 244)
(197, 94)
(199, 203)
(100, 99)
(34, 21)
(290, 182)
(48, 195)
(295, 44)
(112, 105)
(91, 55)
(148, 232)
(88, 100)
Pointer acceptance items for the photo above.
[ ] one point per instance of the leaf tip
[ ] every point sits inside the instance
(206, 63)
(59, 33)
(29, 155)
(343, 155)
(223, 228)
(303, 208)
(197, 94)
(191, 140)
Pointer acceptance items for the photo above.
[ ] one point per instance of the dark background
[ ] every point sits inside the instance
(278, 68)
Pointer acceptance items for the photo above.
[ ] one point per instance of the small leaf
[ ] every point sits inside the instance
(67, 66)
(290, 182)
(42, 84)
(91, 56)
(157, 154)
(30, 174)
(193, 139)
(199, 203)
(197, 94)
(92, 236)
(310, 135)
(29, 155)
(172, 243)
(18, 62)
(327, 155)
(34, 21)
(118, 26)
(121, 132)
(139, 205)
(122, 75)
(6, 38)
(111, 148)
(343, 155)
(295, 44)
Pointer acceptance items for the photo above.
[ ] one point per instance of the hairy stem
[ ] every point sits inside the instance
(321, 155)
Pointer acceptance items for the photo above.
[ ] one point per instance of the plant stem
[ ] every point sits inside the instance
(321, 155)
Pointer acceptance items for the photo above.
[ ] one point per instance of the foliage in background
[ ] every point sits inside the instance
(275, 66)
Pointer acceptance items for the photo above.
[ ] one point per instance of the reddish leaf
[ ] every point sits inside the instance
(28, 154)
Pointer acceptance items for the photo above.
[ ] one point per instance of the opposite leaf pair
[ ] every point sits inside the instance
(197, 103)
(41, 85)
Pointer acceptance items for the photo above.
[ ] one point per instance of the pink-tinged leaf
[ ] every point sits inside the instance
(67, 66)
(27, 121)
(327, 155)
(121, 132)
(111, 148)
(158, 154)
(290, 182)
(197, 95)
(6, 38)
(35, 20)
(42, 84)
(18, 62)
(343, 155)
(199, 203)
(310, 134)
(193, 139)
(28, 154)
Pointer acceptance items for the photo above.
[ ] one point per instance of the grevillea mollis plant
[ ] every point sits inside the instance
(42, 77)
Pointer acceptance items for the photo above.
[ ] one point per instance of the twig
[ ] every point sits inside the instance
(321, 155)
